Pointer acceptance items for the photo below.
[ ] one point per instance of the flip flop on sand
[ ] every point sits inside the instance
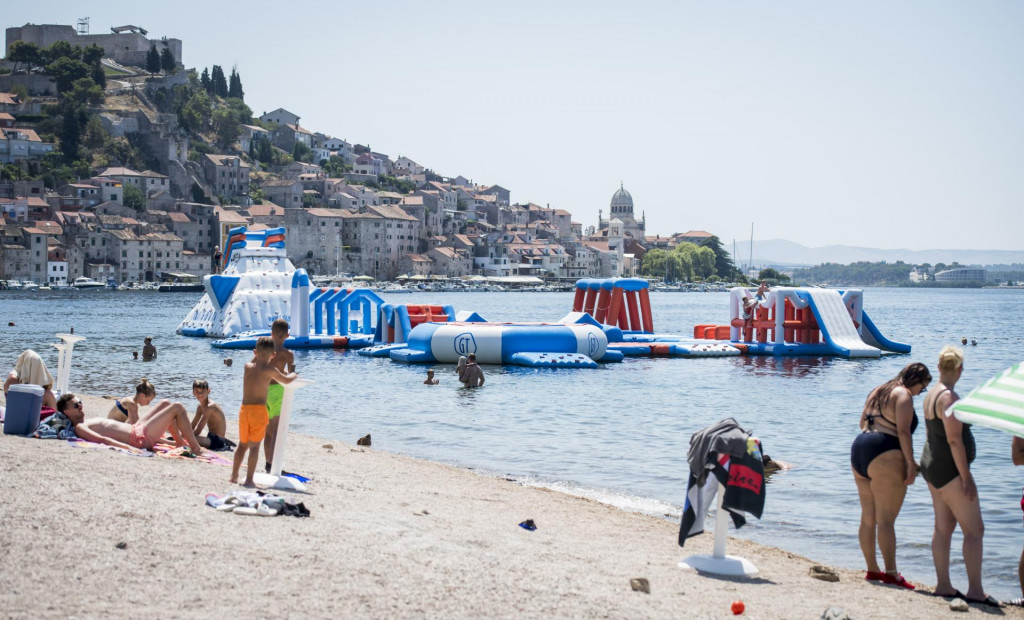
(955, 594)
(1016, 602)
(260, 511)
(988, 602)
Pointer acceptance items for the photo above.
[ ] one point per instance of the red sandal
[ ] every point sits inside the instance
(897, 580)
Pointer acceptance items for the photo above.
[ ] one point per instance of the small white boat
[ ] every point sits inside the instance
(87, 283)
(28, 285)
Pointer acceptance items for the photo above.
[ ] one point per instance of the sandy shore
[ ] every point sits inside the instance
(389, 537)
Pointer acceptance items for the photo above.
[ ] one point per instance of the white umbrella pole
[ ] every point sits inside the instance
(274, 479)
(718, 563)
(59, 379)
(64, 364)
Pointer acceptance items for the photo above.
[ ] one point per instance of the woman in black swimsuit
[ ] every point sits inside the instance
(945, 465)
(127, 409)
(882, 458)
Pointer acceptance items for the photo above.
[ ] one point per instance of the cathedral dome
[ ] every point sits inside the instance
(622, 202)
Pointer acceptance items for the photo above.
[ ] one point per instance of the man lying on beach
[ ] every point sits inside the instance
(209, 414)
(144, 434)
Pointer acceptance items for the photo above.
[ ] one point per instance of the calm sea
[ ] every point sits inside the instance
(618, 434)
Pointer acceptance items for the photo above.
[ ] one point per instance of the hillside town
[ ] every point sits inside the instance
(120, 165)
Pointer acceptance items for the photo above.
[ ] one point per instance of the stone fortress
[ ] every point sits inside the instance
(126, 45)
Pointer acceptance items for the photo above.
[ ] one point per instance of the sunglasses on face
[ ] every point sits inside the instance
(76, 405)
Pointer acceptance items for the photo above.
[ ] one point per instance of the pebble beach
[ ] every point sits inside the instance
(103, 533)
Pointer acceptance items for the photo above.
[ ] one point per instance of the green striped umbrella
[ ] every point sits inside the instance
(998, 403)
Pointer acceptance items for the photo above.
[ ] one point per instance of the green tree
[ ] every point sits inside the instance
(205, 81)
(235, 85)
(227, 128)
(309, 201)
(65, 71)
(301, 152)
(724, 265)
(167, 62)
(61, 49)
(134, 197)
(264, 150)
(220, 85)
(24, 53)
(152, 60)
(92, 55)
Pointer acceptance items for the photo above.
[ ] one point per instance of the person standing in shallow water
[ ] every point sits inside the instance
(945, 465)
(148, 350)
(882, 459)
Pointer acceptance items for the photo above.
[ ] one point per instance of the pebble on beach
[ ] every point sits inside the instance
(824, 573)
(640, 584)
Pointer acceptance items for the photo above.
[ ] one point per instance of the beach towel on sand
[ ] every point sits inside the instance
(743, 478)
(56, 426)
(88, 445)
(170, 452)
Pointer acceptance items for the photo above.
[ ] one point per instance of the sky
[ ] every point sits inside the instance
(869, 123)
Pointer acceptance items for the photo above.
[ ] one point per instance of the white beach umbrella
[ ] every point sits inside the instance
(998, 403)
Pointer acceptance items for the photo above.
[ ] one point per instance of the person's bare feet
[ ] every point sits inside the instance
(233, 480)
(249, 484)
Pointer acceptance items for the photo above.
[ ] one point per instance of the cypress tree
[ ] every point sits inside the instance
(235, 85)
(167, 62)
(152, 60)
(204, 79)
(220, 85)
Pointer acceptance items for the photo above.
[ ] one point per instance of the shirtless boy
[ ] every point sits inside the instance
(252, 417)
(208, 415)
(163, 418)
(284, 361)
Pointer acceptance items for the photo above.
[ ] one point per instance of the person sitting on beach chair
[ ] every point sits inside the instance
(165, 417)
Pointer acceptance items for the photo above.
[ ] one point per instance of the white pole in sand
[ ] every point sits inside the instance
(274, 479)
(718, 563)
(64, 360)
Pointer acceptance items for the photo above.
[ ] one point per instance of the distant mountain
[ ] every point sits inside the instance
(783, 253)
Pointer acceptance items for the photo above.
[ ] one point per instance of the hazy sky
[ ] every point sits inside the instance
(880, 124)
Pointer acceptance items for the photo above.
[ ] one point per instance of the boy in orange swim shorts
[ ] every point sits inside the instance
(252, 417)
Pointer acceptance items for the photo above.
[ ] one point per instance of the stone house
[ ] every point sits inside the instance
(17, 143)
(416, 265)
(281, 117)
(451, 262)
(228, 175)
(287, 193)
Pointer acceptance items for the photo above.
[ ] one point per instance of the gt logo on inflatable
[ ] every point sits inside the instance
(465, 344)
(592, 345)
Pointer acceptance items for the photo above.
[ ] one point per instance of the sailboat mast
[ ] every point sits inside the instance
(750, 257)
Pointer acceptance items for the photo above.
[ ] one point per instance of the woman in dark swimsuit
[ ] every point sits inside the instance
(945, 465)
(882, 459)
(127, 409)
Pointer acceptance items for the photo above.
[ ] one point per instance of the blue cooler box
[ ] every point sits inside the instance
(24, 402)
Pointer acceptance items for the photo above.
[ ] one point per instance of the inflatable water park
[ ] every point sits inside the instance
(610, 319)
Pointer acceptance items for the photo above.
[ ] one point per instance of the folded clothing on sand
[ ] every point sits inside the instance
(263, 503)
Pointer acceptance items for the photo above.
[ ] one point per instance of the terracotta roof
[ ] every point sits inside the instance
(419, 258)
(4, 116)
(8, 99)
(179, 217)
(694, 233)
(28, 134)
(118, 172)
(265, 209)
(329, 212)
(392, 212)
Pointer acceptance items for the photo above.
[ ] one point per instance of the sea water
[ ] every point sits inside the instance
(618, 434)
